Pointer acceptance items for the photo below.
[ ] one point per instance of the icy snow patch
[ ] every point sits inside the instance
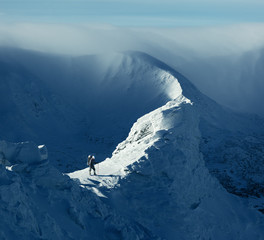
(43, 152)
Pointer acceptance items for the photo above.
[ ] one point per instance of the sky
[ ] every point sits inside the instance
(150, 13)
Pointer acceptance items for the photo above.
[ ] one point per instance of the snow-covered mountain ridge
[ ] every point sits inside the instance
(158, 177)
(168, 178)
(143, 165)
(90, 102)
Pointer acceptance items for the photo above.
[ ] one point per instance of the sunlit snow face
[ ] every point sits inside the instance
(174, 89)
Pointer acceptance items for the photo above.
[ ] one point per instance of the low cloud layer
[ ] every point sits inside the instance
(223, 62)
(89, 39)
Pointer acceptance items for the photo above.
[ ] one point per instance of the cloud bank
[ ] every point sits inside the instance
(223, 62)
(83, 39)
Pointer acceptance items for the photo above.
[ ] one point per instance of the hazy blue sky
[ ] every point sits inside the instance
(158, 13)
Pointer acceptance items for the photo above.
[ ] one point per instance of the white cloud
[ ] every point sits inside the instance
(90, 39)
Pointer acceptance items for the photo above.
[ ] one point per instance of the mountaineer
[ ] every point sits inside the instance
(91, 162)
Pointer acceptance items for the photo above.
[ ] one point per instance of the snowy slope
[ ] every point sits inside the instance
(232, 143)
(159, 178)
(39, 202)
